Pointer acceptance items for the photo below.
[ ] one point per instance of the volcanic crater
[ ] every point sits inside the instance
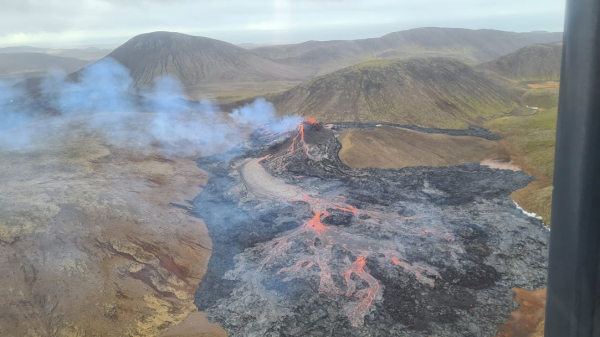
(304, 245)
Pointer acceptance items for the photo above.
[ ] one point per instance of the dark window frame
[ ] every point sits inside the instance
(573, 303)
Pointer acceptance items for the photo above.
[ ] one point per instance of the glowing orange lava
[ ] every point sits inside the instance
(360, 283)
(366, 296)
(298, 144)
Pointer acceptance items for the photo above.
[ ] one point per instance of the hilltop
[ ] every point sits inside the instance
(472, 46)
(433, 92)
(197, 60)
(539, 62)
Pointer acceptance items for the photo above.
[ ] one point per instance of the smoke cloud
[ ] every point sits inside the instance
(10, 116)
(103, 98)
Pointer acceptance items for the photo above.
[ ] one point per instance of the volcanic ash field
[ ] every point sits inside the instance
(305, 246)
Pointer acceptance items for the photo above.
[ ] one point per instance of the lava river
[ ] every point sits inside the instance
(414, 250)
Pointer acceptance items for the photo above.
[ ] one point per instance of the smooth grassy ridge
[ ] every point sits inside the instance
(542, 98)
(531, 141)
(532, 63)
(432, 92)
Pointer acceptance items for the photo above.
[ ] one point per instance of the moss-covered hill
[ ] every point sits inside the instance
(434, 92)
(539, 62)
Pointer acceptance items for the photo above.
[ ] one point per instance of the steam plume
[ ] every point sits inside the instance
(104, 94)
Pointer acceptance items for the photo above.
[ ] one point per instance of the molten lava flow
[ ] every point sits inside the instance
(298, 142)
(366, 296)
(420, 272)
(321, 239)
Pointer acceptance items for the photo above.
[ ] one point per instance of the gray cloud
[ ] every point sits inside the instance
(110, 21)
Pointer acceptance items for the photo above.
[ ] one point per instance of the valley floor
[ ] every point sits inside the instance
(110, 227)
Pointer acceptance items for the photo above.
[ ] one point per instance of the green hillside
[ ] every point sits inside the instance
(539, 62)
(531, 143)
(434, 92)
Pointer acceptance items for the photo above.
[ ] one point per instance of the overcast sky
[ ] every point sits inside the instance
(93, 22)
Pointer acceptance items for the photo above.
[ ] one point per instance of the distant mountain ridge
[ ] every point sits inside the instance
(540, 62)
(35, 64)
(431, 92)
(209, 66)
(22, 49)
(86, 54)
(197, 60)
(473, 46)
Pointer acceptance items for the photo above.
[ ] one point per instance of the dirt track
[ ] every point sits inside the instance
(264, 185)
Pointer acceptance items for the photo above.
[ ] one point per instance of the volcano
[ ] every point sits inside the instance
(197, 60)
(305, 246)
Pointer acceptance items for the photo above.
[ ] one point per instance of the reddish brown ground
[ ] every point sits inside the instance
(528, 320)
(195, 325)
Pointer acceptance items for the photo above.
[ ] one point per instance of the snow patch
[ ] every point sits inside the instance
(533, 215)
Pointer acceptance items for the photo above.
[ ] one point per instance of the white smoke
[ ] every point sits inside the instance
(103, 95)
(11, 116)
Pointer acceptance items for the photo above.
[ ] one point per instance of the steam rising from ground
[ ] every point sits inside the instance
(102, 98)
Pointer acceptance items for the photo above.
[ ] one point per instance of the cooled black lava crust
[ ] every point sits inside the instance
(457, 222)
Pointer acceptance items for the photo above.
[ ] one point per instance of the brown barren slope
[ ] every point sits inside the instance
(391, 147)
(90, 244)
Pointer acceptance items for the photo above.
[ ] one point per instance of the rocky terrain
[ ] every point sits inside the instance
(305, 246)
(98, 238)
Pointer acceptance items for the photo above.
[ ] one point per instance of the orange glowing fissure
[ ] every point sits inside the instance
(360, 283)
(297, 144)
